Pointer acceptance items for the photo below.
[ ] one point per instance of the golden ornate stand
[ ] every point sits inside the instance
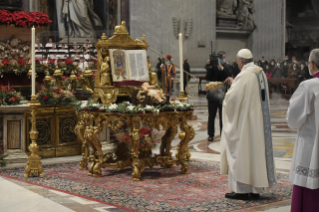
(90, 124)
(34, 164)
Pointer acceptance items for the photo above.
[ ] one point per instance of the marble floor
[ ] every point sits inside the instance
(28, 197)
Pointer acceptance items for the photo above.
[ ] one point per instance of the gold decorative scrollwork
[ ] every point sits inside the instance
(139, 156)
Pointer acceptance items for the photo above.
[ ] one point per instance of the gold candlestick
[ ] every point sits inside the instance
(182, 97)
(34, 164)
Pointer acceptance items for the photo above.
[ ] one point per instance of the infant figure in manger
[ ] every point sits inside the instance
(152, 92)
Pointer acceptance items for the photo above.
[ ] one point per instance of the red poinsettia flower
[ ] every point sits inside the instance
(37, 60)
(94, 61)
(20, 18)
(15, 98)
(51, 62)
(68, 61)
(45, 97)
(5, 63)
(21, 62)
(144, 131)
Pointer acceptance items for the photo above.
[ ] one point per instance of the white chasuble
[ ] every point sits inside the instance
(303, 114)
(246, 142)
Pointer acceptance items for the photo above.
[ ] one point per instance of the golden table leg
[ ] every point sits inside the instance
(134, 146)
(186, 136)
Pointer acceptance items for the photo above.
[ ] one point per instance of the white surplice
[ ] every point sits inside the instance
(83, 66)
(243, 151)
(303, 114)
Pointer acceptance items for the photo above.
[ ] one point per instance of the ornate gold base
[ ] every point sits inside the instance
(33, 101)
(182, 97)
(34, 167)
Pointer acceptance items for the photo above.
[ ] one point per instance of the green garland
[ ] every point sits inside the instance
(127, 107)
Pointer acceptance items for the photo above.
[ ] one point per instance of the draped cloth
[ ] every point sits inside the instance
(246, 142)
(81, 18)
(303, 114)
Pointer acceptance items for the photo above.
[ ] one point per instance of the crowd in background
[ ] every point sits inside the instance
(81, 54)
(285, 69)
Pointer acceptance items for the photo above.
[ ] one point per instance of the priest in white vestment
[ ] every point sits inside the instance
(246, 141)
(303, 115)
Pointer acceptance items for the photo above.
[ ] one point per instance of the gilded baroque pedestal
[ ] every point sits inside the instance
(90, 124)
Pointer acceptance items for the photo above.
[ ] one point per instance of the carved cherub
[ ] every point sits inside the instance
(14, 49)
(152, 92)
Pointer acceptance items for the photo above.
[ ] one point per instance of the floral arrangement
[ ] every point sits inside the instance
(93, 65)
(68, 66)
(22, 19)
(127, 107)
(9, 96)
(55, 96)
(2, 156)
(21, 66)
(146, 138)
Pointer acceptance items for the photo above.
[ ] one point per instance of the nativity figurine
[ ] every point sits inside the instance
(155, 94)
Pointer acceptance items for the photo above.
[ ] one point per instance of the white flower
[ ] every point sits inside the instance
(113, 106)
(127, 102)
(148, 107)
(130, 107)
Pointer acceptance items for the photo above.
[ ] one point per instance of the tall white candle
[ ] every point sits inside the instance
(181, 62)
(33, 60)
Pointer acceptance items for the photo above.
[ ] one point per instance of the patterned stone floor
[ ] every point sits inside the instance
(283, 136)
(23, 197)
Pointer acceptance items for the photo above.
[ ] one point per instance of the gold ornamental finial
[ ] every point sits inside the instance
(143, 38)
(103, 37)
(121, 30)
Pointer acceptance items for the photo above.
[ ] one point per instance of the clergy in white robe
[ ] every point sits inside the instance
(50, 43)
(82, 64)
(246, 141)
(303, 115)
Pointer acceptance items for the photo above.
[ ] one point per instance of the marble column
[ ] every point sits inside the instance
(119, 12)
(268, 39)
(34, 6)
(125, 13)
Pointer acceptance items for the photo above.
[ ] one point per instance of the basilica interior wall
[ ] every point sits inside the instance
(268, 38)
(155, 19)
(231, 43)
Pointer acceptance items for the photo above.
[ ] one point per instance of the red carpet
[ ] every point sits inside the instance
(159, 190)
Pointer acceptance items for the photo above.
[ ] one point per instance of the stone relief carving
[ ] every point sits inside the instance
(245, 15)
(188, 28)
(315, 4)
(176, 24)
(227, 8)
(12, 50)
(241, 9)
(81, 18)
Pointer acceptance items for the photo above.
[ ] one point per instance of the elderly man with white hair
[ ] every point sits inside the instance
(246, 142)
(303, 114)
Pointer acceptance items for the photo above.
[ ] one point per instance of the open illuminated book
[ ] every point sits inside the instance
(129, 65)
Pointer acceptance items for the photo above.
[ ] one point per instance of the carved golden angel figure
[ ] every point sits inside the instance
(105, 72)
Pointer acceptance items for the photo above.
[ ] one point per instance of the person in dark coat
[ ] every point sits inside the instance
(235, 69)
(285, 69)
(158, 70)
(187, 69)
(217, 73)
(263, 62)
